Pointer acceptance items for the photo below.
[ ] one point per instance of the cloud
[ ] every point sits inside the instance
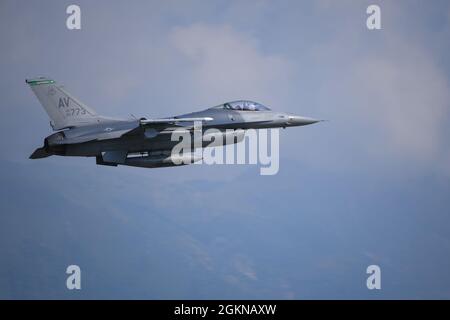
(227, 64)
(244, 267)
(386, 92)
(406, 101)
(195, 252)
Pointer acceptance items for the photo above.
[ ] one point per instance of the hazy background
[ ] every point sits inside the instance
(371, 186)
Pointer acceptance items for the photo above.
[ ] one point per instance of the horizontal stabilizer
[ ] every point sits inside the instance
(40, 153)
(173, 120)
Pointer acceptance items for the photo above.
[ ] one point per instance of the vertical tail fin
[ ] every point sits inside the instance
(63, 109)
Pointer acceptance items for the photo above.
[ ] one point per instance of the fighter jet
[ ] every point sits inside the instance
(142, 142)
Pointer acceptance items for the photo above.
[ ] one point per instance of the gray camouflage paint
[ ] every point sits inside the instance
(81, 132)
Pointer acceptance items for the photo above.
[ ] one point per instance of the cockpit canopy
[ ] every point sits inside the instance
(243, 105)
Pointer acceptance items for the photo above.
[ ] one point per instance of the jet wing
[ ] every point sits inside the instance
(173, 120)
(160, 124)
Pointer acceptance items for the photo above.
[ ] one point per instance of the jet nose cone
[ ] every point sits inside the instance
(300, 121)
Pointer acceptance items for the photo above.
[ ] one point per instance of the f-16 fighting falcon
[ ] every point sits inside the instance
(143, 142)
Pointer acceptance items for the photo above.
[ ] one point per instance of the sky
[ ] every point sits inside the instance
(368, 187)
